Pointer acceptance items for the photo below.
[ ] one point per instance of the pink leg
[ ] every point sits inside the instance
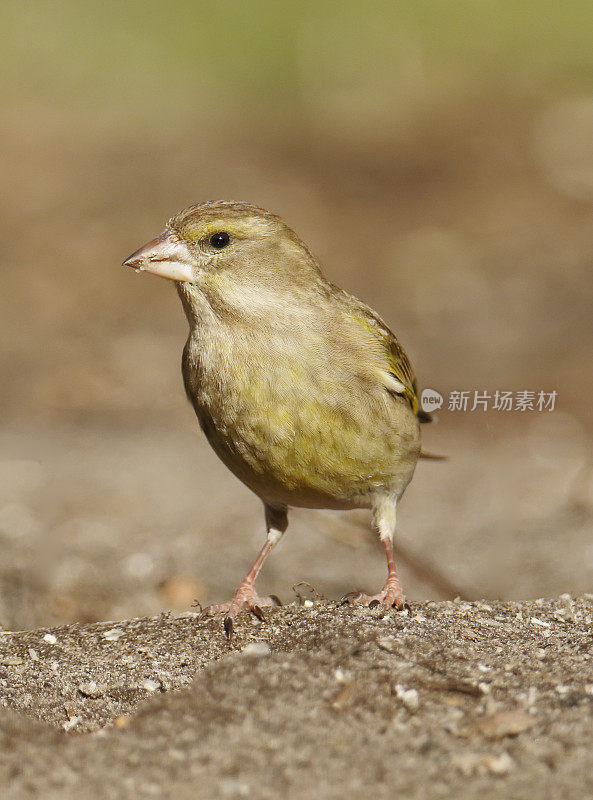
(391, 595)
(276, 522)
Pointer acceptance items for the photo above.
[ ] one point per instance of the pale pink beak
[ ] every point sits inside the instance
(165, 256)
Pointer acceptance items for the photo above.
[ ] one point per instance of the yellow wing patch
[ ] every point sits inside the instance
(399, 378)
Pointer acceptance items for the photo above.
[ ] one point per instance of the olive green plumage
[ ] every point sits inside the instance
(301, 389)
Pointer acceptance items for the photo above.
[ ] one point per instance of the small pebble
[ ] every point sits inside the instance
(257, 649)
(568, 606)
(540, 622)
(500, 765)
(11, 661)
(91, 690)
(33, 654)
(50, 638)
(113, 634)
(150, 685)
(72, 722)
(387, 643)
(409, 697)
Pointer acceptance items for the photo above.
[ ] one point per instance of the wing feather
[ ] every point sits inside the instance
(402, 380)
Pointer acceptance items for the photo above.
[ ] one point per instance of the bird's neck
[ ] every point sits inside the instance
(223, 300)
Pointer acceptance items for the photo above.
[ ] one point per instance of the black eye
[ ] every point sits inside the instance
(220, 239)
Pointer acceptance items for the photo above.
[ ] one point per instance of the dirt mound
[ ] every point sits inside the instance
(448, 699)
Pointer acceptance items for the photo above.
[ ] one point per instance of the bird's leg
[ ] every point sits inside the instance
(276, 524)
(391, 595)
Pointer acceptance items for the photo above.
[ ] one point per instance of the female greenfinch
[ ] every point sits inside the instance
(300, 388)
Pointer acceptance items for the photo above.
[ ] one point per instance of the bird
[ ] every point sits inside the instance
(300, 388)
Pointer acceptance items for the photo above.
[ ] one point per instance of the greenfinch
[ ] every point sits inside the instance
(300, 388)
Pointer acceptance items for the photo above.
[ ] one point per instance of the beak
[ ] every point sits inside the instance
(165, 256)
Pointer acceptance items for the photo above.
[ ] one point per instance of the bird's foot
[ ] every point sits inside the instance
(245, 595)
(390, 596)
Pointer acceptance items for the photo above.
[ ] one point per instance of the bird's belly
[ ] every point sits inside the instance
(312, 453)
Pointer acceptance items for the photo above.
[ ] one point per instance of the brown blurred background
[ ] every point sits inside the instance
(437, 157)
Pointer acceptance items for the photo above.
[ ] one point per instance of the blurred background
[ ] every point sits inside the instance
(438, 159)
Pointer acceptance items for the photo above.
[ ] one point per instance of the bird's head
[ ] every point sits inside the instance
(236, 240)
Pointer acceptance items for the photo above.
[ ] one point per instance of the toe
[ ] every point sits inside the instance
(386, 597)
(212, 610)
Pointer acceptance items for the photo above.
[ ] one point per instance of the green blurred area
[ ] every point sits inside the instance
(267, 56)
(460, 130)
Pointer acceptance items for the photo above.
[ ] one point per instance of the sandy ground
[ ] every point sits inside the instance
(446, 699)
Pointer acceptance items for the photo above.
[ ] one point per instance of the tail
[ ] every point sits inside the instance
(433, 456)
(424, 416)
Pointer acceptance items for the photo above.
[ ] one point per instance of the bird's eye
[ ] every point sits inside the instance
(220, 240)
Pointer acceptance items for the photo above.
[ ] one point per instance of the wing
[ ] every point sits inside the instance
(401, 377)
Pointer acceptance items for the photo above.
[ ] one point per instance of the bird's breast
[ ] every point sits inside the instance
(290, 421)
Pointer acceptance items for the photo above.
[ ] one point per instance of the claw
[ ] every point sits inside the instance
(245, 597)
(373, 604)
